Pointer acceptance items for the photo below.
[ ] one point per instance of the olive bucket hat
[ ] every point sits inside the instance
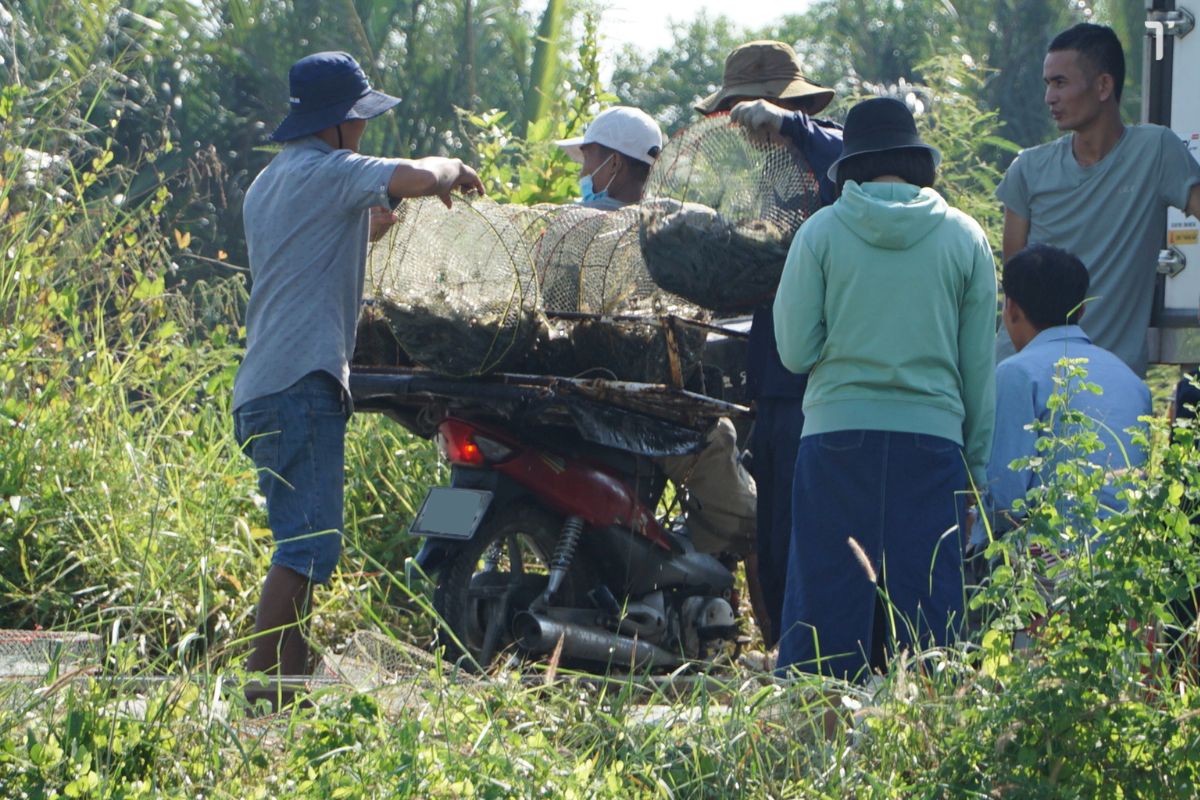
(766, 69)
(327, 89)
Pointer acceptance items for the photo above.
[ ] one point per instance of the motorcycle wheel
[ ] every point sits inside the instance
(496, 575)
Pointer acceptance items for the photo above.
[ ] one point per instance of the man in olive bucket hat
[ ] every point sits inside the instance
(764, 89)
(308, 217)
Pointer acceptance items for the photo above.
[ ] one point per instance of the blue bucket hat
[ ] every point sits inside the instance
(328, 89)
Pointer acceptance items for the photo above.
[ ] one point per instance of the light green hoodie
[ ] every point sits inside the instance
(888, 301)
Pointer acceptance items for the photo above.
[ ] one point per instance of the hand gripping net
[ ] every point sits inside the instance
(601, 300)
(719, 212)
(456, 286)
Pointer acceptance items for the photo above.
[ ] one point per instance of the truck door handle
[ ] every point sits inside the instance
(1171, 261)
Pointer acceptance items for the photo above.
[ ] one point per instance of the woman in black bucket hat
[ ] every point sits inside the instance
(888, 301)
(884, 125)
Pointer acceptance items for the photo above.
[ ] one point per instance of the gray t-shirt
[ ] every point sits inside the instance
(1112, 216)
(307, 226)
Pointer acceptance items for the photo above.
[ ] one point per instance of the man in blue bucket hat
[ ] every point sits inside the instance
(309, 216)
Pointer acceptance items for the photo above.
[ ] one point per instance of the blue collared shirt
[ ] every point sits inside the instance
(1024, 385)
(605, 203)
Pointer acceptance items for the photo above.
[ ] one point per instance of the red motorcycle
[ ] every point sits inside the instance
(546, 538)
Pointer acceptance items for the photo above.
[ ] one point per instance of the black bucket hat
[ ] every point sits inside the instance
(878, 124)
(328, 89)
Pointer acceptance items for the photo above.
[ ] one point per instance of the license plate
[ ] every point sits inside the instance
(449, 513)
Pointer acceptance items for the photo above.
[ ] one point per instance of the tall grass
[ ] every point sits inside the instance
(125, 500)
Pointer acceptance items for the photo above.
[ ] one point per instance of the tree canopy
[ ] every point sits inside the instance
(490, 81)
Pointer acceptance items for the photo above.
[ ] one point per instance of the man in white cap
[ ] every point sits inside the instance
(616, 152)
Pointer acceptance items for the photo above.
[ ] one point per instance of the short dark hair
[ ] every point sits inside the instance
(639, 168)
(911, 164)
(1099, 46)
(1048, 283)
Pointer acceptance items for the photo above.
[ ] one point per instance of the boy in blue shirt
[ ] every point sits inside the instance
(1044, 289)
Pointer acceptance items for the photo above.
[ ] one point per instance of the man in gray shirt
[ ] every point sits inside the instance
(308, 217)
(1101, 191)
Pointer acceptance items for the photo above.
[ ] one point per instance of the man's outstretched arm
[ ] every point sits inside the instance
(433, 177)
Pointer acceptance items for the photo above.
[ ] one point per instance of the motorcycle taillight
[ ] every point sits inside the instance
(493, 451)
(463, 445)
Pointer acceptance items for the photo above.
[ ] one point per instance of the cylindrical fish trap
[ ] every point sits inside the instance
(644, 350)
(720, 208)
(456, 286)
(599, 296)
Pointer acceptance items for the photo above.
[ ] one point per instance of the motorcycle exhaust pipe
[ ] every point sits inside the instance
(539, 634)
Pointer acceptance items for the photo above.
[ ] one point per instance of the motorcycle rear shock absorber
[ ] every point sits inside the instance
(564, 554)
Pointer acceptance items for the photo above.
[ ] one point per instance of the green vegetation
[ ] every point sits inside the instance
(878, 43)
(126, 510)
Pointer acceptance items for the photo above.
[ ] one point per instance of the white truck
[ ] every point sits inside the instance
(1171, 97)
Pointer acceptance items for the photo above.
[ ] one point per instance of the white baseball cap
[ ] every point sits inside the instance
(629, 131)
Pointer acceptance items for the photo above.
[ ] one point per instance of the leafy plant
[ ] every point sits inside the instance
(1112, 652)
(533, 169)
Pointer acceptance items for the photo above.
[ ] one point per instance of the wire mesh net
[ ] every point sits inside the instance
(373, 659)
(32, 653)
(463, 291)
(590, 261)
(637, 349)
(590, 264)
(456, 286)
(721, 208)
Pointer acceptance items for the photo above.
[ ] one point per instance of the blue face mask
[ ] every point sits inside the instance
(587, 191)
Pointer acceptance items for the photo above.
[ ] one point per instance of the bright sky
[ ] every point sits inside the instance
(643, 23)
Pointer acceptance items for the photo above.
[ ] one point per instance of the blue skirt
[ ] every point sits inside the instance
(875, 517)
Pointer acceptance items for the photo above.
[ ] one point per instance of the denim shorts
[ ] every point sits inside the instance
(297, 439)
